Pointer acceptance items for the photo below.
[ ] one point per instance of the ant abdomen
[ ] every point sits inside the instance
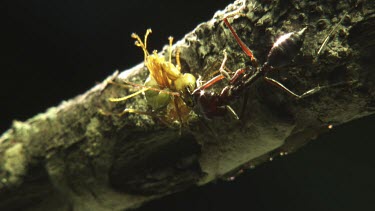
(285, 49)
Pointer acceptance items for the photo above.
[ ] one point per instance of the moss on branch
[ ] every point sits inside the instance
(78, 158)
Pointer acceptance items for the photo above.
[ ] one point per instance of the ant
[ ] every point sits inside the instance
(165, 87)
(281, 54)
(285, 48)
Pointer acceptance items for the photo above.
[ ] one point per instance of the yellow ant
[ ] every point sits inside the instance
(165, 87)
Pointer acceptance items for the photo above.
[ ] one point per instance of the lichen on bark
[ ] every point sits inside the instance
(85, 160)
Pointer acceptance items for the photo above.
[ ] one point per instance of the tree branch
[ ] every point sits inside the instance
(78, 158)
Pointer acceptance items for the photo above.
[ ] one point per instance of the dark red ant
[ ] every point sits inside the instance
(285, 48)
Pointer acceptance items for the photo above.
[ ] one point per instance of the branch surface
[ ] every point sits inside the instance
(74, 157)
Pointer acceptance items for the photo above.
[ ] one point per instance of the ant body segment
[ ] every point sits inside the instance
(281, 54)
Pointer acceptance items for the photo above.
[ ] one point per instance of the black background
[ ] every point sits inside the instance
(54, 50)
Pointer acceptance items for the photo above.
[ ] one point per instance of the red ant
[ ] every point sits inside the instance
(281, 54)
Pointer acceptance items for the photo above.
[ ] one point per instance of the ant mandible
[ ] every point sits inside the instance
(285, 48)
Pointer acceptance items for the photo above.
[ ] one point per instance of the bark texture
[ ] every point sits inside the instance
(73, 158)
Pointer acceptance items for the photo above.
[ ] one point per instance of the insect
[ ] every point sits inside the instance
(165, 87)
(285, 48)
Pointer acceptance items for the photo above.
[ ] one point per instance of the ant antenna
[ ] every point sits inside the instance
(331, 33)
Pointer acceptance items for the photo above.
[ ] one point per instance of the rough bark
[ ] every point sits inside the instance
(73, 157)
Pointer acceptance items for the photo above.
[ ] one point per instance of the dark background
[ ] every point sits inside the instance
(53, 50)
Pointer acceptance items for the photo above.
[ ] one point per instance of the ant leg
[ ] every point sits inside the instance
(244, 47)
(307, 93)
(232, 112)
(237, 75)
(209, 83)
(329, 35)
(224, 74)
(281, 86)
(222, 69)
